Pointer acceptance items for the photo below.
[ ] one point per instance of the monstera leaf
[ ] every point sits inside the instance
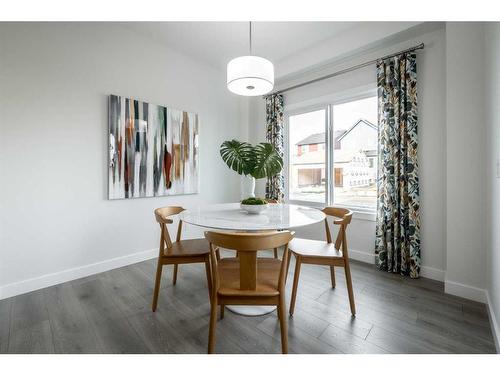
(267, 161)
(238, 156)
(258, 161)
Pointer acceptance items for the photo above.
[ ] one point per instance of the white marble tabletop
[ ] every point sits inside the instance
(229, 216)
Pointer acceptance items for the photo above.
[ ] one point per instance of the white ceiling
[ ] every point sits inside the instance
(291, 46)
(218, 42)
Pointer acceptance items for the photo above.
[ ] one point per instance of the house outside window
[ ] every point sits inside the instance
(339, 143)
(307, 166)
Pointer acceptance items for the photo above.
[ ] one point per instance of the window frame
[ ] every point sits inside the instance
(325, 103)
(298, 111)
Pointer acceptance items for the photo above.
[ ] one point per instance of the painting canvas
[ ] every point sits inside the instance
(153, 150)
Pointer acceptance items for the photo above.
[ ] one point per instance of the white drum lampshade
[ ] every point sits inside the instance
(250, 76)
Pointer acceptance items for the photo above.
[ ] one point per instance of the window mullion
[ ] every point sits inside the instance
(327, 172)
(330, 161)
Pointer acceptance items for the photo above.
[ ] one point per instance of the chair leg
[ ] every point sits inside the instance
(212, 328)
(174, 280)
(332, 275)
(283, 324)
(159, 269)
(275, 253)
(349, 287)
(209, 277)
(288, 265)
(222, 308)
(295, 284)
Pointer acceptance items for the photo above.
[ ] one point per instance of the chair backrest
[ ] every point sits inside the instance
(342, 217)
(247, 245)
(163, 217)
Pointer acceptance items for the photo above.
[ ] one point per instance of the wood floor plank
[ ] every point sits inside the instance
(299, 340)
(342, 319)
(124, 294)
(141, 282)
(243, 330)
(471, 337)
(477, 315)
(396, 307)
(347, 343)
(72, 332)
(229, 341)
(458, 322)
(28, 310)
(5, 313)
(113, 330)
(30, 330)
(35, 339)
(305, 321)
(400, 344)
(160, 336)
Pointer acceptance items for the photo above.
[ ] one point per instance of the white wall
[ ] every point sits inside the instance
(54, 81)
(432, 142)
(492, 101)
(465, 192)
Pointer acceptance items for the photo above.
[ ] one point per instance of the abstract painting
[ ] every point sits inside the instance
(153, 150)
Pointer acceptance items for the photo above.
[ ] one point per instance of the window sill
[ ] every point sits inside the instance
(358, 213)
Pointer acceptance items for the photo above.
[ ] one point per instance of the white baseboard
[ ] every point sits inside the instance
(465, 291)
(25, 286)
(432, 273)
(495, 329)
(428, 272)
(362, 256)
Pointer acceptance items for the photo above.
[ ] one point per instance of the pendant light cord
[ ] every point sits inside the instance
(250, 36)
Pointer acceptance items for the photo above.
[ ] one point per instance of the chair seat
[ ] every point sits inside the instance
(188, 248)
(313, 248)
(268, 271)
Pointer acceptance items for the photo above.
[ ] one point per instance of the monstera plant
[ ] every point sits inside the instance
(259, 161)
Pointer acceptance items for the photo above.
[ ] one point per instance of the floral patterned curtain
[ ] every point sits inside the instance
(275, 186)
(397, 243)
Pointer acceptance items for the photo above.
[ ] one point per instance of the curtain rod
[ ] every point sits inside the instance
(347, 70)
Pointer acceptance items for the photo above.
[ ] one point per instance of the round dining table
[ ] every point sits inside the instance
(230, 217)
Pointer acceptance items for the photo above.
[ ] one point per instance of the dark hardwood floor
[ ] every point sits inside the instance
(110, 313)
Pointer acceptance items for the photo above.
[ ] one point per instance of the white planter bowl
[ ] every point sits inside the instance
(254, 208)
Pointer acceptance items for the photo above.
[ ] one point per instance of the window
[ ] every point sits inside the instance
(339, 143)
(355, 126)
(307, 161)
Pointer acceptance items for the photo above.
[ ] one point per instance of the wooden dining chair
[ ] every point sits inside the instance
(324, 253)
(178, 252)
(248, 279)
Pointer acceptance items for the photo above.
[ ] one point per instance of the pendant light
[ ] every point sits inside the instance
(250, 75)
